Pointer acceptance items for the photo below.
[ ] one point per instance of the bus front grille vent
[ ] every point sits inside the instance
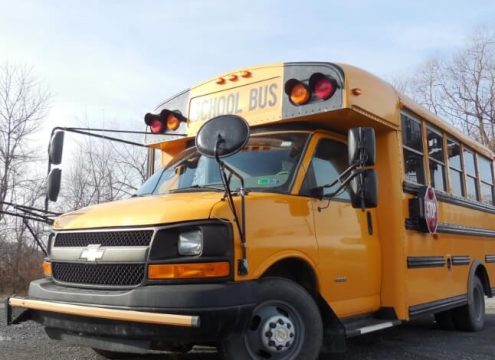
(99, 274)
(104, 238)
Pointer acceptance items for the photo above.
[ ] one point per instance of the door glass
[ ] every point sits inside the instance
(329, 161)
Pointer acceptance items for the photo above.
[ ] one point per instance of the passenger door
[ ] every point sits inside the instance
(348, 248)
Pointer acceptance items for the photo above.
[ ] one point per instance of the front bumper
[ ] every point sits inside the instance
(147, 317)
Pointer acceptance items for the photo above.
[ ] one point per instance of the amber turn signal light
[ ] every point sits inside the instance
(188, 271)
(47, 268)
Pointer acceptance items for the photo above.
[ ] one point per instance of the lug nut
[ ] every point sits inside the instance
(272, 325)
(271, 343)
(268, 334)
(280, 321)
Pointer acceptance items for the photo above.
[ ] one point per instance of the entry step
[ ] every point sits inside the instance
(367, 325)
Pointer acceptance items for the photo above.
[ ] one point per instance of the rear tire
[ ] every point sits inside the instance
(471, 317)
(285, 325)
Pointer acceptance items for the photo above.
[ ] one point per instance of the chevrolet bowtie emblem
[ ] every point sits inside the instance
(92, 252)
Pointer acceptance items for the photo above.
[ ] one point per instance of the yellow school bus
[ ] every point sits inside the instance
(306, 203)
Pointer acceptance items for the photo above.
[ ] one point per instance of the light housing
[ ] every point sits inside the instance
(166, 120)
(322, 86)
(190, 243)
(217, 242)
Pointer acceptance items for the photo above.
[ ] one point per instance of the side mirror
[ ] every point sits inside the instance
(222, 136)
(53, 187)
(56, 148)
(364, 190)
(362, 146)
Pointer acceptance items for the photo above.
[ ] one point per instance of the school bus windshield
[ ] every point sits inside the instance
(267, 163)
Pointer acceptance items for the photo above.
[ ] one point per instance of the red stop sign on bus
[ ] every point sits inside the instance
(431, 210)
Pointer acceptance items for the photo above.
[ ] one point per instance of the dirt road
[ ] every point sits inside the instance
(419, 340)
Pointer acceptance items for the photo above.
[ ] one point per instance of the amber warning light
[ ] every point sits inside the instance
(319, 87)
(166, 120)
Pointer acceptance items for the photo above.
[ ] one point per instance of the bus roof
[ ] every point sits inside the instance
(261, 94)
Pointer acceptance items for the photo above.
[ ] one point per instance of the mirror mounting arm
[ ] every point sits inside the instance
(343, 183)
(241, 225)
(342, 176)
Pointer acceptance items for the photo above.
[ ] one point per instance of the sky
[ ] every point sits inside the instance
(110, 62)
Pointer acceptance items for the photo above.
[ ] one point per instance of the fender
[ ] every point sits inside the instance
(483, 277)
(282, 255)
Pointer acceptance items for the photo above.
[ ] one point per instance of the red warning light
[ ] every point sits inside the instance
(322, 86)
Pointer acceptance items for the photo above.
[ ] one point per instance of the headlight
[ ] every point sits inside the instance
(208, 240)
(190, 243)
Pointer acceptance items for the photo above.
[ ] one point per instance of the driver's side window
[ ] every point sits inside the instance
(329, 160)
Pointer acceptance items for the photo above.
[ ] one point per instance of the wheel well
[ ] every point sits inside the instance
(301, 272)
(296, 270)
(482, 274)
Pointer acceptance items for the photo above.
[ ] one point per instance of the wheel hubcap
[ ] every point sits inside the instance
(278, 334)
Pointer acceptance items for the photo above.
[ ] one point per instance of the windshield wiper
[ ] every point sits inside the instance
(198, 188)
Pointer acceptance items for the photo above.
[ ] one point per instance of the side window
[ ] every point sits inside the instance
(412, 141)
(486, 180)
(330, 160)
(455, 168)
(436, 159)
(471, 178)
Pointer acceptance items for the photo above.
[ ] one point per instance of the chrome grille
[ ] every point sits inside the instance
(99, 274)
(104, 238)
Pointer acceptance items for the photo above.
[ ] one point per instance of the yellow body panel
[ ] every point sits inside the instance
(141, 211)
(256, 98)
(358, 271)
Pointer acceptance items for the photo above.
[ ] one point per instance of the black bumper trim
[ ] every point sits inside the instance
(437, 306)
(159, 298)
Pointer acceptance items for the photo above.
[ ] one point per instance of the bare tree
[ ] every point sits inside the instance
(102, 171)
(461, 87)
(23, 104)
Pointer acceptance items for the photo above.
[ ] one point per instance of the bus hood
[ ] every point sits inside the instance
(138, 211)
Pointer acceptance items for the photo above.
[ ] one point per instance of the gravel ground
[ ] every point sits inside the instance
(418, 340)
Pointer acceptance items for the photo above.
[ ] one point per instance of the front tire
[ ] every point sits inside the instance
(285, 325)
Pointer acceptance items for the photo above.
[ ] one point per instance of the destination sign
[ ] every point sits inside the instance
(245, 101)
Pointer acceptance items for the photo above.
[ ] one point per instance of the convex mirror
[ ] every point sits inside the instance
(364, 189)
(56, 148)
(222, 136)
(53, 187)
(361, 144)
